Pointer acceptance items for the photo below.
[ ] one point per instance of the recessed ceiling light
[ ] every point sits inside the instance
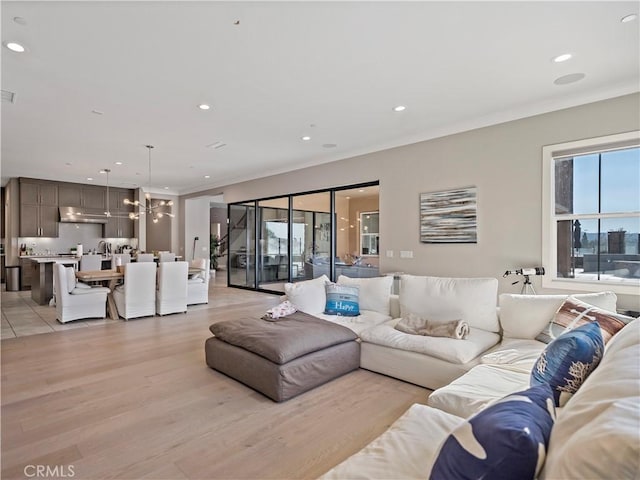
(166, 188)
(329, 145)
(571, 78)
(629, 18)
(118, 163)
(361, 190)
(204, 106)
(103, 171)
(90, 178)
(216, 145)
(562, 58)
(399, 108)
(306, 138)
(14, 47)
(68, 164)
(20, 21)
(347, 198)
(207, 176)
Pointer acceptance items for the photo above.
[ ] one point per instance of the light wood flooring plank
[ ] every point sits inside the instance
(130, 400)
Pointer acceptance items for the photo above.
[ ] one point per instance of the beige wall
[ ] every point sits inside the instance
(503, 161)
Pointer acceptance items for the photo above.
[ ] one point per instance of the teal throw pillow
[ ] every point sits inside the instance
(342, 300)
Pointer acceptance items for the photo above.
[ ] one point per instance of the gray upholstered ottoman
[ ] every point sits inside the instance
(284, 358)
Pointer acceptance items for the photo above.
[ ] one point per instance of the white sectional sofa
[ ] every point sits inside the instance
(506, 368)
(434, 361)
(597, 433)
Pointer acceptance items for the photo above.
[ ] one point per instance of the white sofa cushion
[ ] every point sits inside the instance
(518, 354)
(406, 450)
(437, 298)
(448, 349)
(375, 292)
(525, 316)
(597, 434)
(309, 295)
(362, 322)
(479, 387)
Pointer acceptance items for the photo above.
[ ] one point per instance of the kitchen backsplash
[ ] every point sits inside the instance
(70, 234)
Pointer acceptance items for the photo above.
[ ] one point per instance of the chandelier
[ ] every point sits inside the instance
(154, 211)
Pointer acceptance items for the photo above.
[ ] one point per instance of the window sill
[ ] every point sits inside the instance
(598, 286)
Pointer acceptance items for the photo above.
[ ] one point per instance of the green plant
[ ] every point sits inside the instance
(214, 250)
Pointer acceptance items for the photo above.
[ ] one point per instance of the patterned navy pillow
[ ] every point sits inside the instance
(568, 360)
(342, 300)
(507, 440)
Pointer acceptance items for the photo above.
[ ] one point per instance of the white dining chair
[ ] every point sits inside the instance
(73, 301)
(119, 259)
(90, 262)
(166, 257)
(144, 257)
(137, 296)
(198, 283)
(171, 295)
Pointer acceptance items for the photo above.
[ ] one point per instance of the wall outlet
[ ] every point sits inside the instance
(389, 253)
(406, 254)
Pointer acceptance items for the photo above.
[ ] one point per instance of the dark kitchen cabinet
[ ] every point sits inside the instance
(87, 196)
(38, 208)
(119, 225)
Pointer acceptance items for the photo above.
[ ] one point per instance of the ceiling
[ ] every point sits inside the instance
(274, 72)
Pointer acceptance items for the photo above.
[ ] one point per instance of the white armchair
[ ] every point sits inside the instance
(90, 262)
(198, 284)
(119, 259)
(137, 296)
(73, 301)
(171, 296)
(166, 257)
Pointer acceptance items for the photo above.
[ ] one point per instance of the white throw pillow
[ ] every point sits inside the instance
(375, 293)
(525, 316)
(308, 296)
(71, 278)
(438, 298)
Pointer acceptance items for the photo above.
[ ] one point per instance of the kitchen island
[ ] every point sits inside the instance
(42, 276)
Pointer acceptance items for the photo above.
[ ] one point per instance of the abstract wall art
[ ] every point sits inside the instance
(449, 216)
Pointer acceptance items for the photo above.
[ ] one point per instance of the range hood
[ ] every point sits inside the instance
(82, 215)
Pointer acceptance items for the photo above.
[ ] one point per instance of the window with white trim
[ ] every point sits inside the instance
(591, 214)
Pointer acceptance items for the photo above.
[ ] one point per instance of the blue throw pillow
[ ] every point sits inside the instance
(342, 300)
(507, 440)
(568, 360)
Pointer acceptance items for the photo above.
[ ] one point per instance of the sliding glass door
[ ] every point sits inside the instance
(273, 241)
(304, 236)
(312, 235)
(242, 241)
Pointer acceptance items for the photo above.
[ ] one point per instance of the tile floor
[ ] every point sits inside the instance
(22, 316)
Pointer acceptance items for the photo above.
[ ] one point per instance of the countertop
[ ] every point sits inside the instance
(50, 259)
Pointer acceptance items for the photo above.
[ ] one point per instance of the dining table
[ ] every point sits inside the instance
(98, 276)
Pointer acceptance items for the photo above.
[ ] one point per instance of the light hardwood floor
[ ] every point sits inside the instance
(129, 400)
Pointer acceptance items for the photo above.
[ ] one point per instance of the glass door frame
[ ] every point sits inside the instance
(257, 216)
